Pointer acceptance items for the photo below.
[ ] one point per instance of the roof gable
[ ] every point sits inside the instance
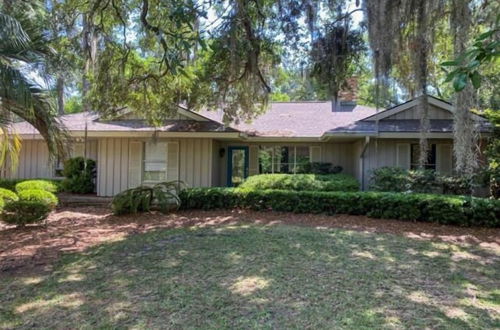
(414, 113)
(439, 109)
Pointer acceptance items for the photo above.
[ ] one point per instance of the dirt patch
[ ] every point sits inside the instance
(35, 248)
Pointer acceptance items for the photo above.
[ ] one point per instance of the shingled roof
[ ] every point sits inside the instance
(298, 119)
(78, 121)
(282, 119)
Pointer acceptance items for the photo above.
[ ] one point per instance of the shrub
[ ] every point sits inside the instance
(320, 168)
(388, 179)
(2, 204)
(162, 196)
(79, 175)
(37, 195)
(422, 181)
(24, 212)
(302, 182)
(8, 196)
(455, 185)
(395, 179)
(456, 210)
(10, 184)
(45, 185)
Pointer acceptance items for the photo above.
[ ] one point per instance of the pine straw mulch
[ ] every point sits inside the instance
(35, 249)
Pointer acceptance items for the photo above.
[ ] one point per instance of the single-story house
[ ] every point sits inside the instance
(197, 148)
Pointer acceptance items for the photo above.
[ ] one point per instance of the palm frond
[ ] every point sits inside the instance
(12, 35)
(33, 104)
(15, 89)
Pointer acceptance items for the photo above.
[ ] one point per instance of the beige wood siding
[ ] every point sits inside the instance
(357, 149)
(403, 157)
(384, 152)
(315, 154)
(173, 161)
(444, 158)
(120, 163)
(413, 113)
(216, 164)
(109, 166)
(34, 161)
(134, 171)
(196, 157)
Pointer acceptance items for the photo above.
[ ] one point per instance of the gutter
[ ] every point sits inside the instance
(328, 135)
(362, 158)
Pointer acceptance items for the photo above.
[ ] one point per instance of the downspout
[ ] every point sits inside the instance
(362, 158)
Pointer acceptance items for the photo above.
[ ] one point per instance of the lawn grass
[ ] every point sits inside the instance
(252, 276)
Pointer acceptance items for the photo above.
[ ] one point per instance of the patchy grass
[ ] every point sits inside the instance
(265, 276)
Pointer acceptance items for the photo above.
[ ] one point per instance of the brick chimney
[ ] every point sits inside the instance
(348, 96)
(350, 92)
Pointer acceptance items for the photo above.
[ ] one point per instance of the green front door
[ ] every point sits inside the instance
(237, 167)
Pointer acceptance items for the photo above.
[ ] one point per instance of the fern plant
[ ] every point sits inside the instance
(163, 197)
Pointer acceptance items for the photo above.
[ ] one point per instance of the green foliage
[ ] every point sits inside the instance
(163, 196)
(466, 67)
(37, 195)
(456, 185)
(8, 196)
(24, 45)
(333, 54)
(302, 182)
(79, 175)
(132, 201)
(46, 185)
(455, 210)
(24, 212)
(388, 179)
(9, 184)
(492, 153)
(395, 179)
(73, 105)
(422, 181)
(321, 168)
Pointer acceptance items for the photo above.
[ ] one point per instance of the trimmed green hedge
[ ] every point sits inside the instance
(44, 185)
(23, 212)
(455, 210)
(302, 182)
(8, 196)
(37, 195)
(10, 184)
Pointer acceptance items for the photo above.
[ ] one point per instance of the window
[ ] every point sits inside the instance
(155, 161)
(431, 157)
(283, 159)
(301, 159)
(58, 168)
(265, 160)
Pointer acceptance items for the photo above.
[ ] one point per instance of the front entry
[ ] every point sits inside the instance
(237, 165)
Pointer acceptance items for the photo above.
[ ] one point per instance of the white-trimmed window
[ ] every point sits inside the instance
(283, 159)
(415, 156)
(155, 162)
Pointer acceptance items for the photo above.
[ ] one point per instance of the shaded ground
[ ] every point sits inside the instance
(34, 249)
(248, 275)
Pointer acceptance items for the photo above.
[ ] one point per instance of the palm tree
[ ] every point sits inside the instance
(23, 48)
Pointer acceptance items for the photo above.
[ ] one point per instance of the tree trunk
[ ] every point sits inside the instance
(90, 43)
(60, 94)
(465, 135)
